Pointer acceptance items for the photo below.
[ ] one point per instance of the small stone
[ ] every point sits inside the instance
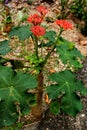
(82, 115)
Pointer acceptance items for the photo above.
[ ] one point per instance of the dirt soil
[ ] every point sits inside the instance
(62, 121)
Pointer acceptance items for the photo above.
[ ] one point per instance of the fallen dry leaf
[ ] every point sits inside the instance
(47, 100)
(52, 70)
(7, 28)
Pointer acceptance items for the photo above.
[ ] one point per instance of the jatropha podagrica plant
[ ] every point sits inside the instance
(15, 97)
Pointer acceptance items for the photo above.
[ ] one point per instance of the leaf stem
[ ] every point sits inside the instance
(48, 55)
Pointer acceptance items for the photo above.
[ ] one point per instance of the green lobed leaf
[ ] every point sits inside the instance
(4, 47)
(67, 86)
(55, 107)
(3, 61)
(13, 92)
(23, 32)
(71, 104)
(68, 53)
(32, 99)
(50, 35)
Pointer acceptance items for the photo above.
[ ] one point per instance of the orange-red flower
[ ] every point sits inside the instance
(35, 19)
(64, 24)
(42, 10)
(38, 30)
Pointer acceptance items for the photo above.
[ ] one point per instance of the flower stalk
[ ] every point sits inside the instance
(54, 46)
(36, 47)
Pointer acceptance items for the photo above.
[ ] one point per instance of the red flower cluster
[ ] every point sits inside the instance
(64, 24)
(42, 10)
(38, 30)
(35, 19)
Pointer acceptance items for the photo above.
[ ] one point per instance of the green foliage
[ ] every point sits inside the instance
(84, 29)
(79, 9)
(4, 47)
(51, 36)
(34, 62)
(17, 126)
(68, 53)
(33, 59)
(64, 9)
(8, 19)
(66, 86)
(30, 1)
(1, 0)
(23, 32)
(32, 99)
(2, 61)
(14, 95)
(16, 64)
(76, 7)
(55, 107)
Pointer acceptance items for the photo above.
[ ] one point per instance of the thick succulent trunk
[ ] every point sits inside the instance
(37, 110)
(40, 89)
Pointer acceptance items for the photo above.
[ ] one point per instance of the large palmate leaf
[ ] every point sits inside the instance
(23, 32)
(13, 93)
(4, 47)
(68, 53)
(66, 86)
